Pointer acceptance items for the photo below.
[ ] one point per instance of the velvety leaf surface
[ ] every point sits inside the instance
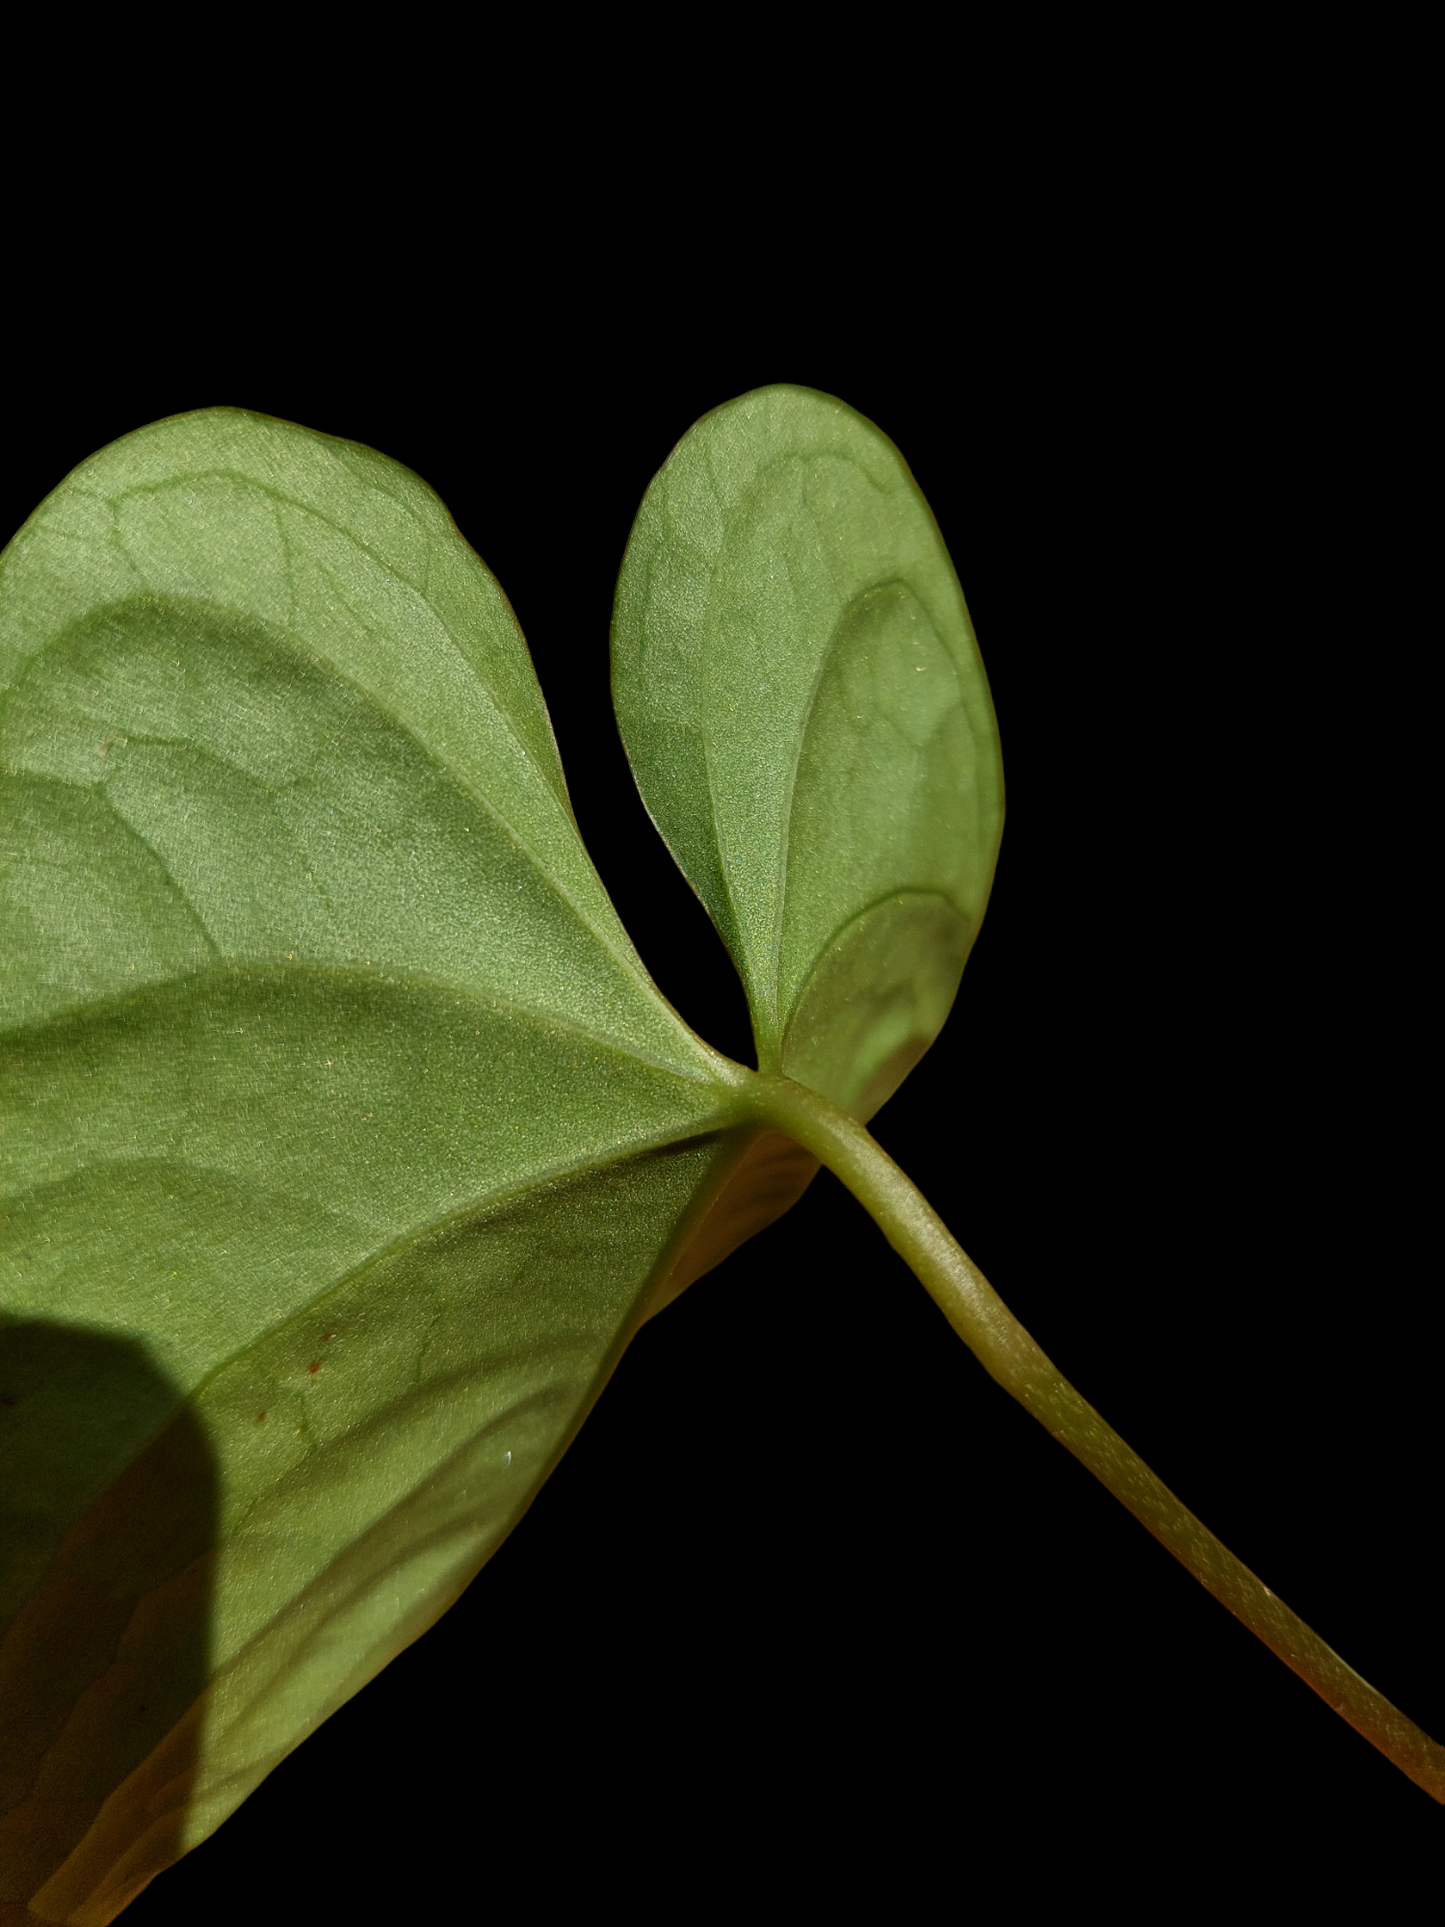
(806, 712)
(345, 1139)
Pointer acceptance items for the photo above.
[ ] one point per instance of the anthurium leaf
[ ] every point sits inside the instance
(806, 713)
(345, 1138)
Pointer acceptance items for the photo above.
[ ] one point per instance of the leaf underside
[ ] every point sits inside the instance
(346, 1139)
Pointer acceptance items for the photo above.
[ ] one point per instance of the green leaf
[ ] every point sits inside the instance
(346, 1140)
(806, 713)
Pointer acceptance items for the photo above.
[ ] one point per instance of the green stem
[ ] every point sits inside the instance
(1010, 1355)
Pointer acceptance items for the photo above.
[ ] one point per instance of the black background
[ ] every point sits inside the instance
(810, 1603)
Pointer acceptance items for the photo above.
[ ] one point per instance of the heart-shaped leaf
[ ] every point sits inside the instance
(346, 1139)
(805, 708)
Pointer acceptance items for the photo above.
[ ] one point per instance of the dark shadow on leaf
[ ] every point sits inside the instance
(107, 1525)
